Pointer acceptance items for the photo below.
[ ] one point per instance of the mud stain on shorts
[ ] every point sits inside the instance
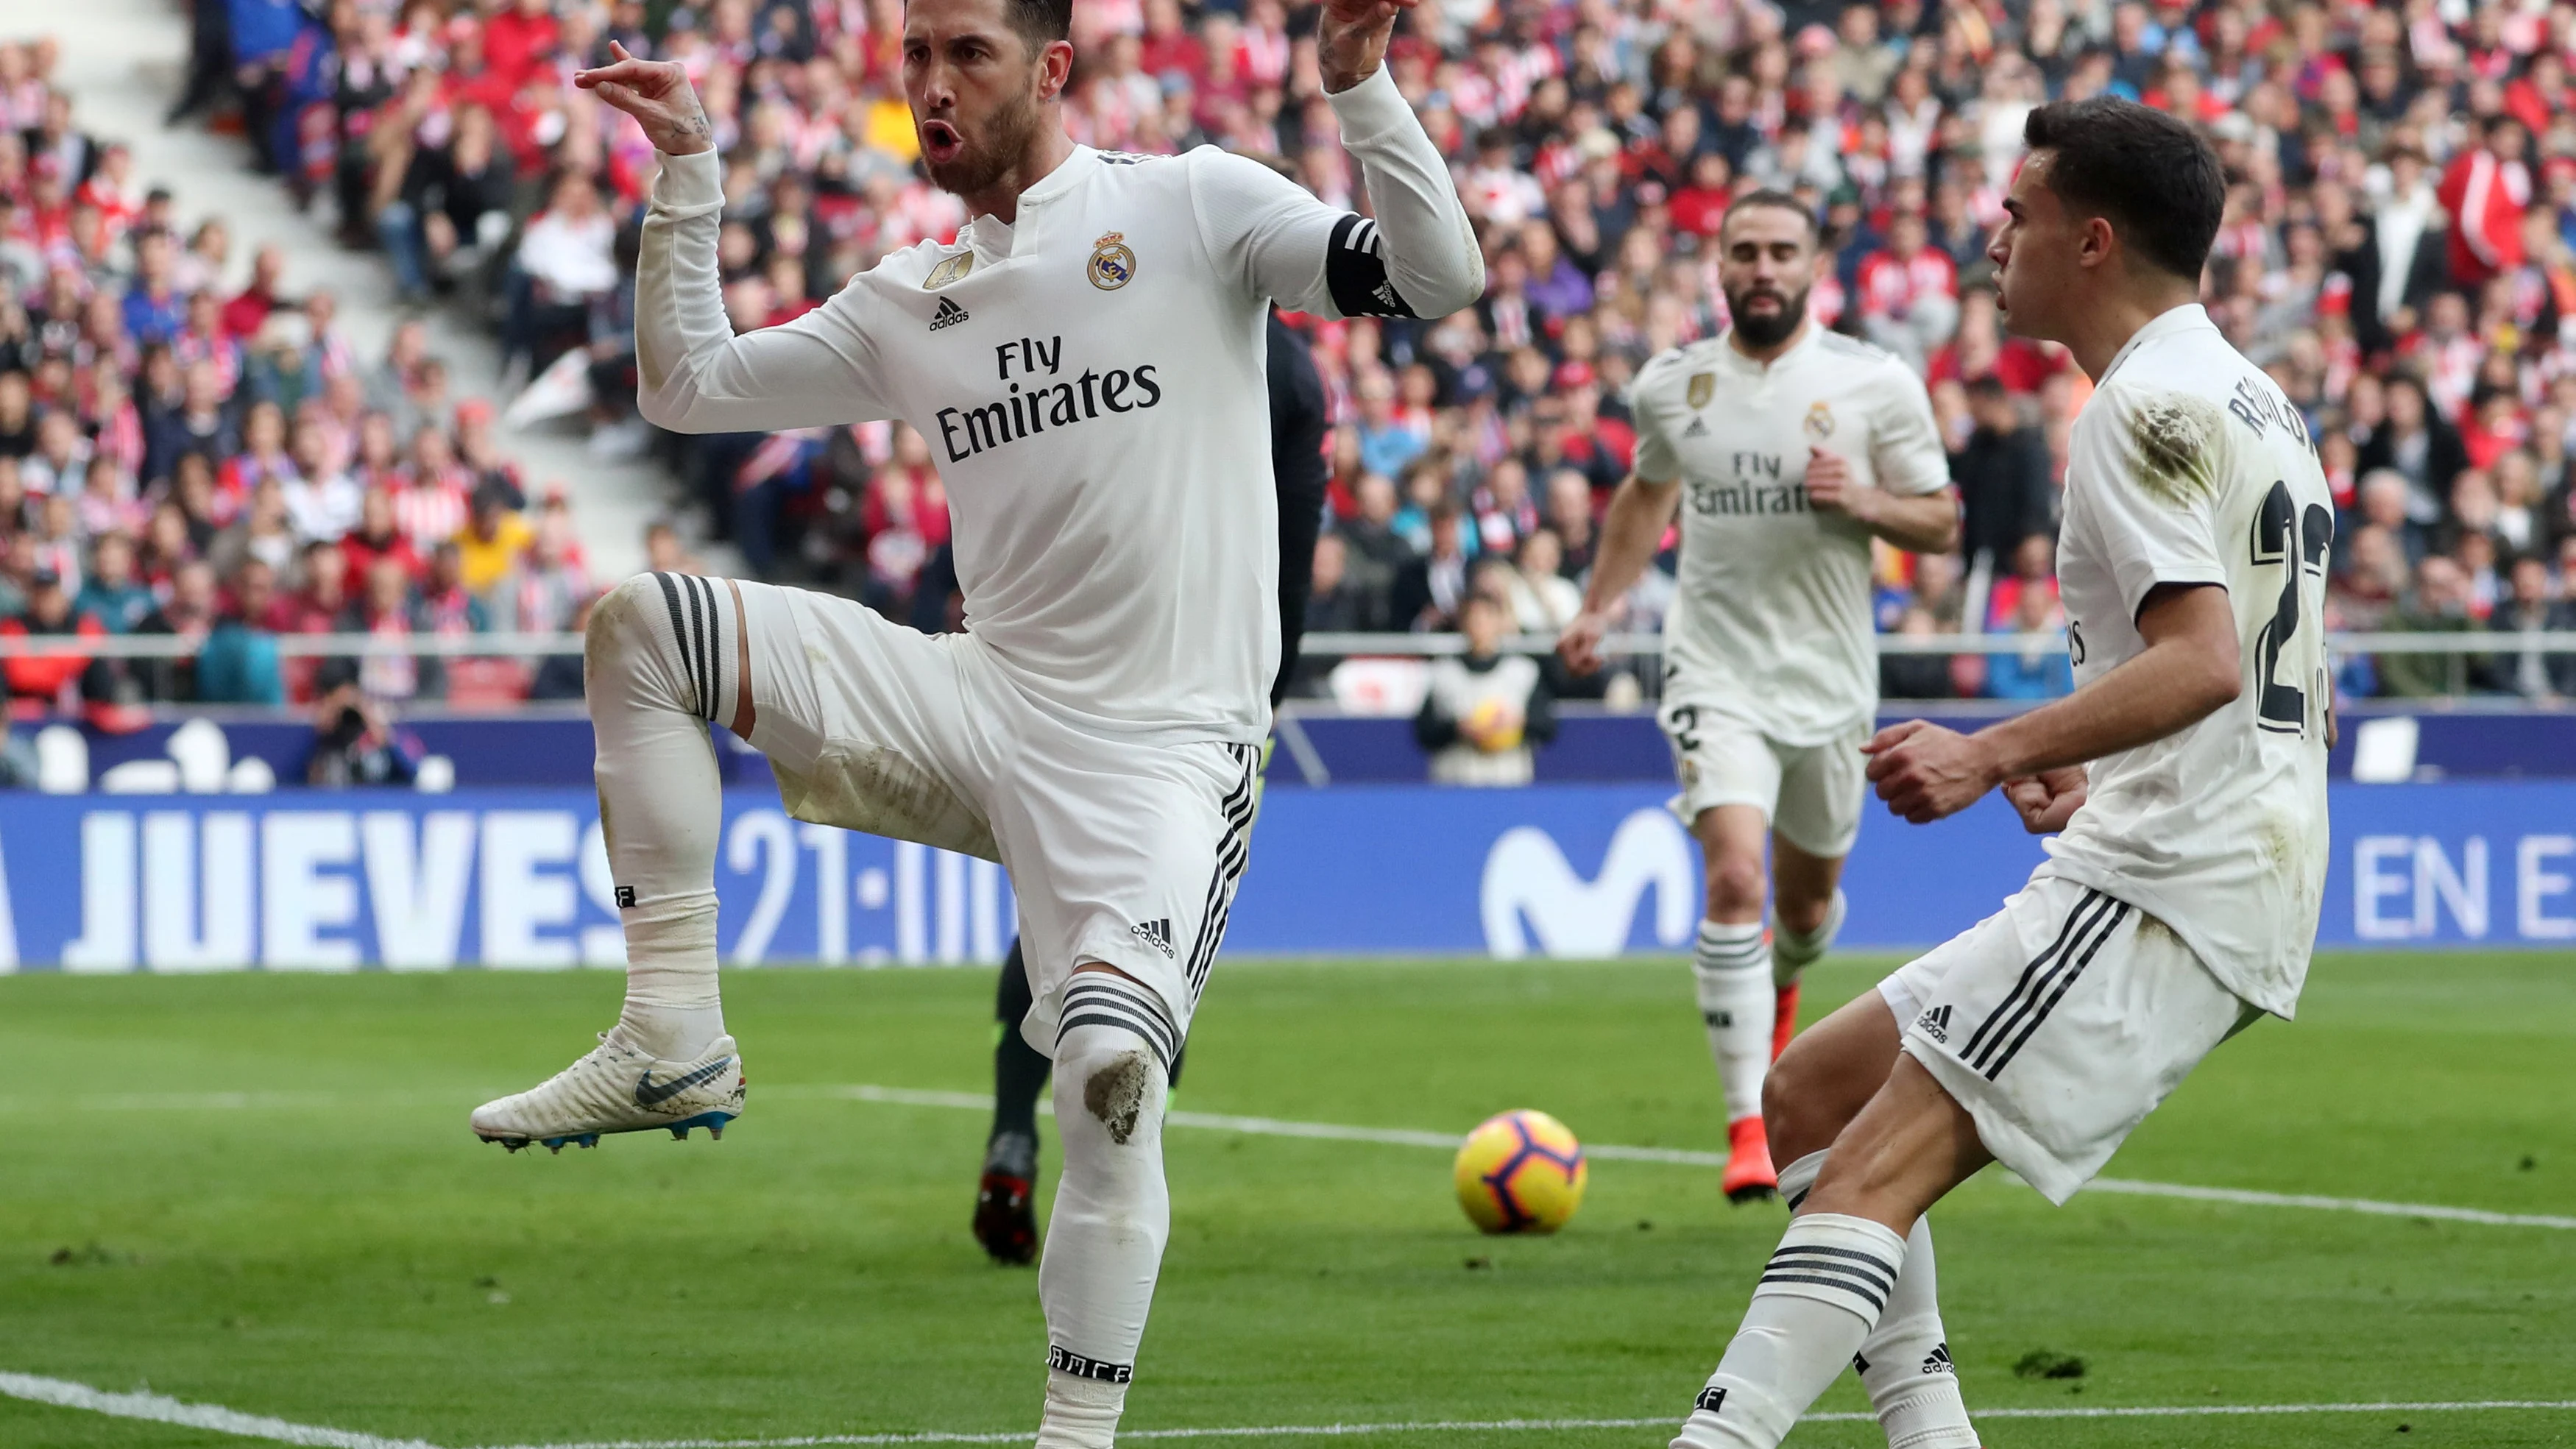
(880, 791)
(1116, 1095)
(2151, 928)
(2174, 436)
(602, 645)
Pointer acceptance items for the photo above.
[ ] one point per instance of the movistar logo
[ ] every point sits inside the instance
(1530, 890)
(651, 1093)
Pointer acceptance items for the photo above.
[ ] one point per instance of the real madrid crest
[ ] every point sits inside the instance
(1703, 386)
(951, 270)
(1820, 422)
(1113, 264)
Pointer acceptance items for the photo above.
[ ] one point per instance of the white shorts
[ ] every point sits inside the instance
(1811, 794)
(2060, 1022)
(1120, 852)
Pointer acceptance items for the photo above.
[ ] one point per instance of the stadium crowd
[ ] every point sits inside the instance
(2400, 252)
(182, 455)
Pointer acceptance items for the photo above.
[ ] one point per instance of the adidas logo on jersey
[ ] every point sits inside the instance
(1157, 934)
(1698, 429)
(1936, 1025)
(948, 315)
(1938, 1360)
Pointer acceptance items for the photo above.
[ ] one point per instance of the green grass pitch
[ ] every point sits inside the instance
(334, 1248)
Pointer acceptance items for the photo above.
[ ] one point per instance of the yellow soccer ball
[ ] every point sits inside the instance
(1521, 1172)
(1493, 725)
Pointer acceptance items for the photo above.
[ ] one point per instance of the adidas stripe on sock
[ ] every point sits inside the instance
(1793, 952)
(1102, 998)
(1819, 1296)
(1845, 1261)
(1737, 1001)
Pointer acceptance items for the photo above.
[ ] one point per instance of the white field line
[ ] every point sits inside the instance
(1272, 1127)
(62, 1393)
(1448, 1142)
(158, 1408)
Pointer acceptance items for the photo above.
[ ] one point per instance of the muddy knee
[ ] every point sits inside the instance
(1109, 1082)
(1113, 1058)
(1116, 1091)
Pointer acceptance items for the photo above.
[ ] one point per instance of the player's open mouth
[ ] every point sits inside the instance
(940, 141)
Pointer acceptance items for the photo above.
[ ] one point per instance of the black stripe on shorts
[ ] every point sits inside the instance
(2008, 1014)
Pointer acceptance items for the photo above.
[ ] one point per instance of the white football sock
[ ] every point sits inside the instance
(1905, 1362)
(1104, 1243)
(1081, 1413)
(1799, 1178)
(1820, 1294)
(660, 659)
(1794, 951)
(1736, 999)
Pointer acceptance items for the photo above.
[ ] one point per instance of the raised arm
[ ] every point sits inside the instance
(1418, 258)
(694, 375)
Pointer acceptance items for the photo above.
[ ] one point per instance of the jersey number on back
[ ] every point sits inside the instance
(2278, 529)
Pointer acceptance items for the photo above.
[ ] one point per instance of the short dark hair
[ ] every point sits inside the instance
(1040, 21)
(2151, 176)
(1779, 200)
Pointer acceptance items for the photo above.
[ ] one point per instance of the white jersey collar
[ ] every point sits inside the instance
(2185, 318)
(1737, 361)
(1063, 178)
(990, 236)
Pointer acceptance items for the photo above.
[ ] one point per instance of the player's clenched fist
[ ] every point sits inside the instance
(1832, 489)
(1925, 772)
(1350, 39)
(1580, 645)
(2047, 800)
(658, 95)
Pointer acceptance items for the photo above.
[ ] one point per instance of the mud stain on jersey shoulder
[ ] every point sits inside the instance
(2175, 437)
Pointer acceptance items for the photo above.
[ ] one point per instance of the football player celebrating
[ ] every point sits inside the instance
(1087, 358)
(2186, 774)
(1787, 449)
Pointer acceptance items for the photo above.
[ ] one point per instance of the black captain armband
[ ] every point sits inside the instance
(1355, 268)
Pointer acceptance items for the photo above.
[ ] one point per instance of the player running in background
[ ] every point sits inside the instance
(1787, 448)
(1087, 358)
(1006, 1195)
(2187, 774)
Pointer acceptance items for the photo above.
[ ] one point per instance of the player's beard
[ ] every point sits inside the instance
(1767, 329)
(983, 162)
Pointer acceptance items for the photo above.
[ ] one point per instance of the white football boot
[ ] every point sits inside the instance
(618, 1088)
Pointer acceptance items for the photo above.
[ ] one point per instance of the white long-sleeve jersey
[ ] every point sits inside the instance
(1091, 381)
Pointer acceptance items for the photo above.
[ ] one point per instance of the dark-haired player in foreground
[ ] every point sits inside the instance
(1087, 360)
(1006, 1220)
(2186, 774)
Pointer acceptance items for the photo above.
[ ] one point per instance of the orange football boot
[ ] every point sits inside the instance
(1749, 1174)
